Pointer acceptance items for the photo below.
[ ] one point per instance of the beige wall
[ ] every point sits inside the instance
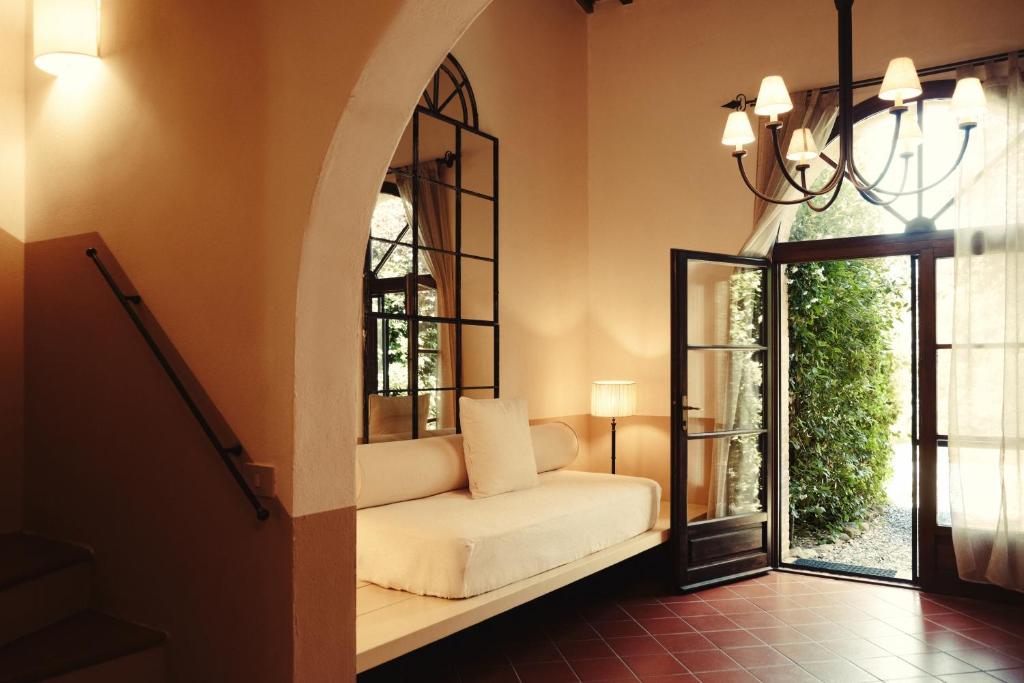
(658, 177)
(12, 259)
(194, 150)
(527, 62)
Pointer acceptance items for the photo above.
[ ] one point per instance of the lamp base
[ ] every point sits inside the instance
(613, 445)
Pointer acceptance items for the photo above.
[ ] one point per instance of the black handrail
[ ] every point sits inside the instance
(129, 301)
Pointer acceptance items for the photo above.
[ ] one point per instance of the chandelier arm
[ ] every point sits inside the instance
(746, 181)
(859, 179)
(956, 164)
(785, 172)
(831, 200)
(872, 198)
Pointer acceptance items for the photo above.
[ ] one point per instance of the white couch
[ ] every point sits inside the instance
(418, 529)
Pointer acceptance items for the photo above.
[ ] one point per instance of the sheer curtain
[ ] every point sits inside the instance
(435, 230)
(815, 110)
(986, 383)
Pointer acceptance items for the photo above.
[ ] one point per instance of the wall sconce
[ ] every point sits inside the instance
(65, 34)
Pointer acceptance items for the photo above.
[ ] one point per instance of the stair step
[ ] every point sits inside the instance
(41, 582)
(77, 644)
(24, 556)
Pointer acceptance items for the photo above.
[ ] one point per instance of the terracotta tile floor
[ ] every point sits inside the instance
(778, 627)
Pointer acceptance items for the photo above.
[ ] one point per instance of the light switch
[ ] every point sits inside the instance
(260, 477)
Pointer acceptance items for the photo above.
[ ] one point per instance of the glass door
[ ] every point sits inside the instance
(720, 416)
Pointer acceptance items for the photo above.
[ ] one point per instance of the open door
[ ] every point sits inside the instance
(721, 460)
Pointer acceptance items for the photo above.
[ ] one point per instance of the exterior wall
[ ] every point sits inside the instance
(658, 72)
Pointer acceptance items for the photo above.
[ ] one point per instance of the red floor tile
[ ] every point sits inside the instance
(612, 669)
(546, 672)
(755, 620)
(706, 660)
(638, 645)
(987, 658)
(777, 635)
(585, 649)
(783, 674)
(654, 665)
(693, 609)
(730, 639)
(619, 629)
(734, 676)
(777, 627)
(758, 656)
(685, 642)
(670, 625)
(710, 623)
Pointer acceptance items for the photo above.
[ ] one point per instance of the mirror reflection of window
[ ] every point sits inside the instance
(430, 280)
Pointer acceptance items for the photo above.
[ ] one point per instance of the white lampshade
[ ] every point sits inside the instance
(65, 34)
(969, 103)
(773, 97)
(613, 398)
(901, 81)
(801, 146)
(737, 130)
(910, 135)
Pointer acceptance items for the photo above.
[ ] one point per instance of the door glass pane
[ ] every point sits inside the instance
(477, 226)
(724, 304)
(477, 289)
(477, 356)
(477, 163)
(723, 477)
(726, 388)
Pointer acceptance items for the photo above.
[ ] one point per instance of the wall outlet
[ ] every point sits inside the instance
(260, 477)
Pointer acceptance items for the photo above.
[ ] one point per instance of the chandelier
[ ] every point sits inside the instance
(900, 84)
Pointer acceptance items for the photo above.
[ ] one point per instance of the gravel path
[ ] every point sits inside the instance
(886, 544)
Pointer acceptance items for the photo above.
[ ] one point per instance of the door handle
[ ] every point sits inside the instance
(690, 408)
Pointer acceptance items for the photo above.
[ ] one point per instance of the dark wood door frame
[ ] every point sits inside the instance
(719, 550)
(924, 248)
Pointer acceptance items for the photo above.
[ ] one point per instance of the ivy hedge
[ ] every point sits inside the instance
(842, 398)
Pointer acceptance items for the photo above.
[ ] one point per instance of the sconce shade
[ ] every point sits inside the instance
(773, 97)
(737, 130)
(801, 147)
(613, 398)
(900, 81)
(65, 34)
(969, 103)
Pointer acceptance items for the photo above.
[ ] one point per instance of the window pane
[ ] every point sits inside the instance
(477, 226)
(942, 391)
(944, 301)
(724, 477)
(477, 163)
(390, 219)
(477, 356)
(724, 304)
(943, 517)
(726, 387)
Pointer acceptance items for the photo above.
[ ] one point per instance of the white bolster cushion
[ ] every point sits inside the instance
(395, 471)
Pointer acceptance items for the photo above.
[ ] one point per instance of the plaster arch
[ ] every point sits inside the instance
(328, 315)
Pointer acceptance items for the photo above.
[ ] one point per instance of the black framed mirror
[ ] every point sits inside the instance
(430, 283)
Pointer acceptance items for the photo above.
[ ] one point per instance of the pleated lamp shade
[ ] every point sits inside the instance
(613, 398)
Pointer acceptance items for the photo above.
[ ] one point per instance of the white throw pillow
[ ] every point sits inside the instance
(497, 445)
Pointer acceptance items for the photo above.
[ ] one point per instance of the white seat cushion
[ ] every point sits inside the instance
(454, 546)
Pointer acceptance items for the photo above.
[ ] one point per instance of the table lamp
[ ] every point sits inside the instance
(613, 398)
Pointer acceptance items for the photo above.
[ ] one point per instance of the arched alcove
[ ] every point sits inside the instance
(328, 307)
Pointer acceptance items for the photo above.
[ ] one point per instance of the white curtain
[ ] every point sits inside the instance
(986, 382)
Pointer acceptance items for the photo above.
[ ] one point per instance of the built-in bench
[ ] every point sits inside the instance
(432, 560)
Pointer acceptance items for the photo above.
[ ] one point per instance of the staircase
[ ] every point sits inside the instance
(48, 632)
